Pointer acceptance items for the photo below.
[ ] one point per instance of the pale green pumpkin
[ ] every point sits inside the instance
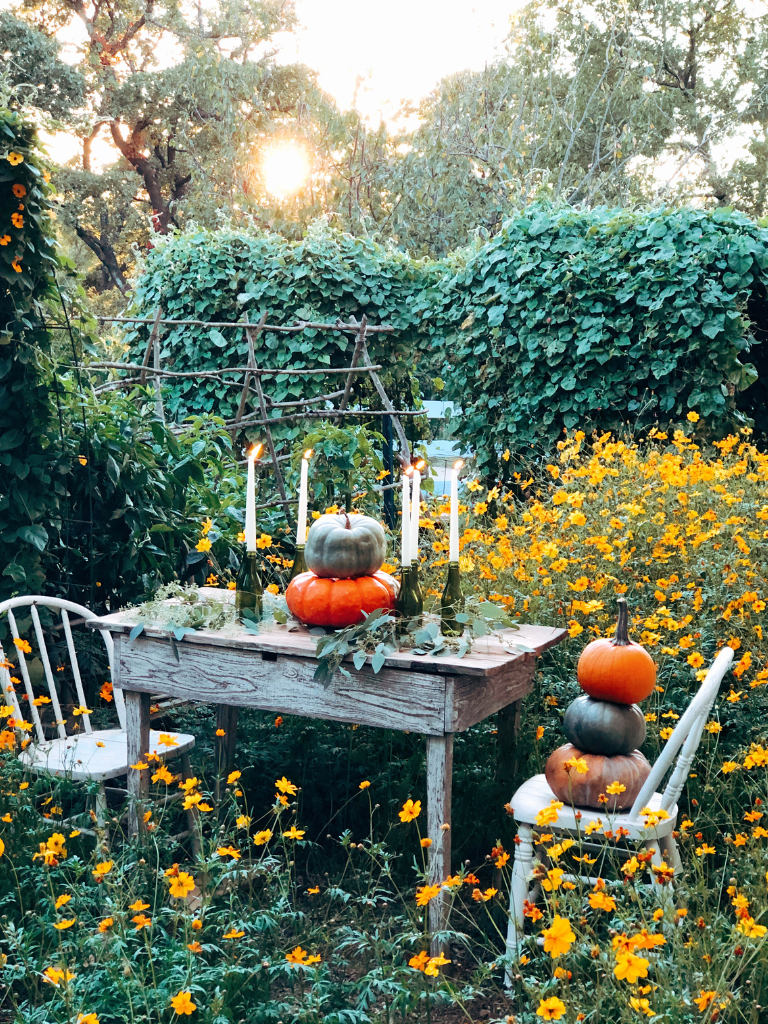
(345, 546)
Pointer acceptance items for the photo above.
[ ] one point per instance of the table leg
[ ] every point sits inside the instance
(226, 719)
(508, 724)
(137, 729)
(439, 783)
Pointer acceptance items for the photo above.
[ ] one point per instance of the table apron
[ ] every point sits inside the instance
(391, 699)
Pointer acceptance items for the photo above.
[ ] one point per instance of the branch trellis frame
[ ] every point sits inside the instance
(250, 378)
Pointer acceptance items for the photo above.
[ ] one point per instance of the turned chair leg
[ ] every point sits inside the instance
(664, 892)
(671, 854)
(521, 871)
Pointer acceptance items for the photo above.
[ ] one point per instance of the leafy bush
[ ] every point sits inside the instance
(604, 319)
(223, 275)
(29, 463)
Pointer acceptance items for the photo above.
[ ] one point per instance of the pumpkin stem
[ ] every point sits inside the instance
(348, 525)
(621, 638)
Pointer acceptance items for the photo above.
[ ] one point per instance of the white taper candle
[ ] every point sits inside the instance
(250, 499)
(301, 523)
(453, 553)
(415, 513)
(405, 549)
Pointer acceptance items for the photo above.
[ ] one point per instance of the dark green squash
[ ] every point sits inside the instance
(601, 727)
(345, 546)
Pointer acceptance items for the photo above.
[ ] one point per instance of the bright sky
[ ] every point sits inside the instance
(401, 50)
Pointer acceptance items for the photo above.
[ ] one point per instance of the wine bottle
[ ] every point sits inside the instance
(299, 563)
(451, 602)
(416, 584)
(407, 604)
(249, 589)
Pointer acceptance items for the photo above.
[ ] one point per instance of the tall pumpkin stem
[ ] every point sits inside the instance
(621, 639)
(347, 525)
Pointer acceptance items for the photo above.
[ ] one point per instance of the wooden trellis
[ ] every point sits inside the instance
(248, 379)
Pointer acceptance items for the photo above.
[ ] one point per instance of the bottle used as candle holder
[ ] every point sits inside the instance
(407, 604)
(249, 589)
(452, 602)
(299, 564)
(416, 584)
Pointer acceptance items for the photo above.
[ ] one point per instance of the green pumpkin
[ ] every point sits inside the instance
(602, 727)
(345, 546)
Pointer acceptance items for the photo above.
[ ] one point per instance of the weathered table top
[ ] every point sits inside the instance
(274, 670)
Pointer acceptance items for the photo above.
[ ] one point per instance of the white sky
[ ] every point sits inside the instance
(401, 50)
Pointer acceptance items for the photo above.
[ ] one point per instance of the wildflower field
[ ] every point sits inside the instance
(307, 899)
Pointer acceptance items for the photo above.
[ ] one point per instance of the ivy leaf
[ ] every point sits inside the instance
(34, 535)
(113, 470)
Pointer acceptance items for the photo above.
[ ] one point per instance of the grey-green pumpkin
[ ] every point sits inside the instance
(345, 546)
(602, 727)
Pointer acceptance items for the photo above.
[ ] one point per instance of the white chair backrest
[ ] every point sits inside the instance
(32, 603)
(687, 735)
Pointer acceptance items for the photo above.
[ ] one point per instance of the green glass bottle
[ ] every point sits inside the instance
(249, 589)
(407, 604)
(451, 602)
(416, 584)
(299, 563)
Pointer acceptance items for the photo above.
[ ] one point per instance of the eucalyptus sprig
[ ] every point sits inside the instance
(375, 636)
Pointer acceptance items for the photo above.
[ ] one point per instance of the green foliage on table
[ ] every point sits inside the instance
(605, 319)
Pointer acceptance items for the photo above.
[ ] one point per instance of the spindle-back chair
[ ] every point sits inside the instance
(84, 753)
(535, 795)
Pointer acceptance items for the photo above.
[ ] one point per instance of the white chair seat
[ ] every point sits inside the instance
(80, 756)
(535, 794)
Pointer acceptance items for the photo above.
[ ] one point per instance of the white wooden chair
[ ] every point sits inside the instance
(535, 795)
(80, 755)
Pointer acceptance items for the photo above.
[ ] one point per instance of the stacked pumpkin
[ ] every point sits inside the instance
(605, 726)
(344, 554)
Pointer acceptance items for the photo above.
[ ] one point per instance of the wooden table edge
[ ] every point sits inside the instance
(402, 660)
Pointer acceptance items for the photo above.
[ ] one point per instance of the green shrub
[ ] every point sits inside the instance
(603, 319)
(220, 276)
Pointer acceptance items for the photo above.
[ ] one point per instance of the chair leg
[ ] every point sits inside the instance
(521, 870)
(663, 892)
(671, 854)
(100, 806)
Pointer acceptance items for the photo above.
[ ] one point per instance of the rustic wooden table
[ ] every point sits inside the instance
(274, 671)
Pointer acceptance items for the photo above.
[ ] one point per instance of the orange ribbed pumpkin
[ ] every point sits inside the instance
(335, 604)
(618, 670)
(631, 770)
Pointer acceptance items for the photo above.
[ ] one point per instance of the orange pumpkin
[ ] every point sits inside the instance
(335, 604)
(573, 788)
(618, 670)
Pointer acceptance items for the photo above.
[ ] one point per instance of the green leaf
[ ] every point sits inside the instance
(136, 631)
(37, 536)
(113, 470)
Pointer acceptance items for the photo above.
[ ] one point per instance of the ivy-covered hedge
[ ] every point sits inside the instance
(604, 319)
(30, 464)
(220, 276)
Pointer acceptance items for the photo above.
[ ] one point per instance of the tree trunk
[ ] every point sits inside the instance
(102, 247)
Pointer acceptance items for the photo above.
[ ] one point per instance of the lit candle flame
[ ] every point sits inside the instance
(255, 452)
(420, 465)
(457, 465)
(408, 470)
(308, 453)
